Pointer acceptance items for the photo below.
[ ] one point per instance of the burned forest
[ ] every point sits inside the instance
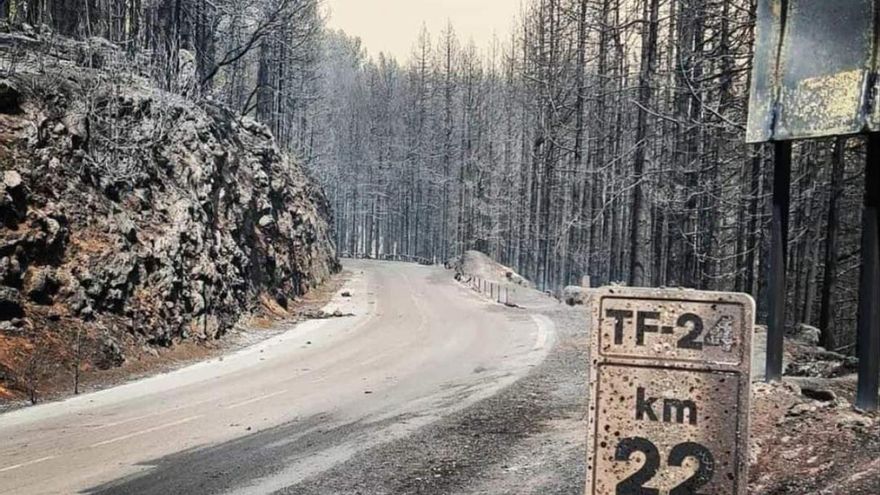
(440, 247)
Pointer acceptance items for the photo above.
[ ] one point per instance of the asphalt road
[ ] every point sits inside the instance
(417, 348)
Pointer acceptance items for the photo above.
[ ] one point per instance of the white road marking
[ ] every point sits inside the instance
(545, 328)
(23, 464)
(255, 399)
(157, 413)
(144, 432)
(129, 420)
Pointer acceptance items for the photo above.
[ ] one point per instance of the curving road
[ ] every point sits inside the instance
(418, 347)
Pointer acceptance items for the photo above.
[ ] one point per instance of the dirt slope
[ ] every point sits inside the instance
(474, 264)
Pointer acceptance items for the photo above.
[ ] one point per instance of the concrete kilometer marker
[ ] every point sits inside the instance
(670, 388)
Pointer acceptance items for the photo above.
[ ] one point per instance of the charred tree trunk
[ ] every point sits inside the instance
(832, 240)
(638, 247)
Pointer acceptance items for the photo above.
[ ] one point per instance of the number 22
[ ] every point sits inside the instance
(635, 484)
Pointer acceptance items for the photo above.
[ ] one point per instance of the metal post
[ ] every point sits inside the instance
(778, 258)
(869, 289)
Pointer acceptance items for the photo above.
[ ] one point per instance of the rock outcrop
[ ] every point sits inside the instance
(130, 214)
(575, 295)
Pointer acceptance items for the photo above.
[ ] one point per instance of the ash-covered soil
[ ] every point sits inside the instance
(809, 439)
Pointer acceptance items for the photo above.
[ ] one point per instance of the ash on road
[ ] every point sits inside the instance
(428, 388)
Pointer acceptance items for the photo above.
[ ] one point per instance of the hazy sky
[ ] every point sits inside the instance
(393, 26)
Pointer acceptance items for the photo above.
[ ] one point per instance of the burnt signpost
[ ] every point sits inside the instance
(816, 74)
(669, 392)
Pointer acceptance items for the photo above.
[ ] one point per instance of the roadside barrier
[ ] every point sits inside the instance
(496, 292)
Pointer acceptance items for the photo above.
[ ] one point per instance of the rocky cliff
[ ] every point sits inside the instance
(130, 216)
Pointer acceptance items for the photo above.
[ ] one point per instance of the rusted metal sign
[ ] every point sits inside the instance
(669, 392)
(814, 70)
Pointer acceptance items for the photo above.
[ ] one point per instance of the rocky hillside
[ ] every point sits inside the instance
(132, 217)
